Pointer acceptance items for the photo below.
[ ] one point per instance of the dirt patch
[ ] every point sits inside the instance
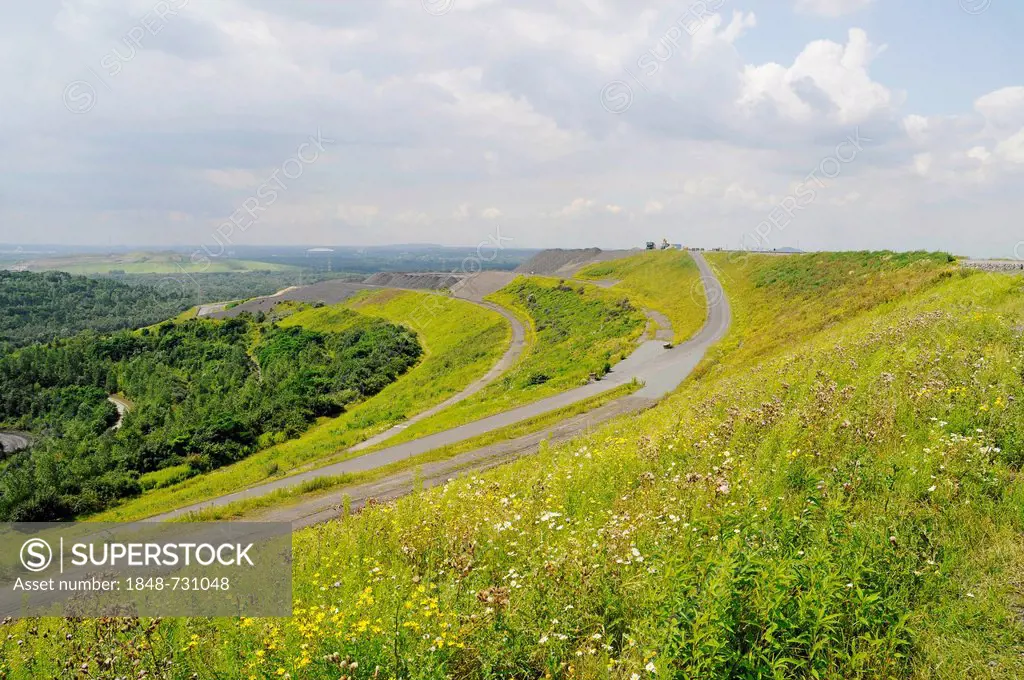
(480, 285)
(328, 292)
(413, 280)
(565, 263)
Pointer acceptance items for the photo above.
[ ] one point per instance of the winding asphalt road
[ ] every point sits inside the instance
(661, 370)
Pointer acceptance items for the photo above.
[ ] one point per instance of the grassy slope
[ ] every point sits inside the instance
(334, 318)
(570, 336)
(462, 341)
(801, 295)
(665, 281)
(832, 499)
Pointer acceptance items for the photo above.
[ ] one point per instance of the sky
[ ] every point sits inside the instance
(818, 124)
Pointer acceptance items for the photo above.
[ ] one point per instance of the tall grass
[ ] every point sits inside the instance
(840, 500)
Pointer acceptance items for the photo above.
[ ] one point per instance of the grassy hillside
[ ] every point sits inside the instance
(665, 281)
(461, 342)
(838, 496)
(799, 295)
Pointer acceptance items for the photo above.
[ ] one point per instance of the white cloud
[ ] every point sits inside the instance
(1003, 108)
(578, 207)
(705, 186)
(233, 178)
(712, 31)
(485, 114)
(847, 199)
(922, 163)
(1011, 149)
(412, 218)
(916, 127)
(439, 120)
(831, 8)
(979, 153)
(971, 149)
(826, 79)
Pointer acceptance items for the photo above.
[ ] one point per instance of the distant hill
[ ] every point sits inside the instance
(143, 262)
(39, 307)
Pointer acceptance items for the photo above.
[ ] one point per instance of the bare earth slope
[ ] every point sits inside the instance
(565, 263)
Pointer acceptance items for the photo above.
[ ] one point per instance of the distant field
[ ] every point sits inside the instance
(147, 263)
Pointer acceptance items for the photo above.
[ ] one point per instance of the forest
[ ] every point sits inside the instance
(39, 307)
(203, 394)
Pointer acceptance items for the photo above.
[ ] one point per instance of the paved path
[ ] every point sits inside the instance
(1007, 266)
(659, 369)
(664, 332)
(13, 441)
(210, 309)
(472, 289)
(123, 407)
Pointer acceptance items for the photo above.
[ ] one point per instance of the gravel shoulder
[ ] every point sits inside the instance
(1008, 266)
